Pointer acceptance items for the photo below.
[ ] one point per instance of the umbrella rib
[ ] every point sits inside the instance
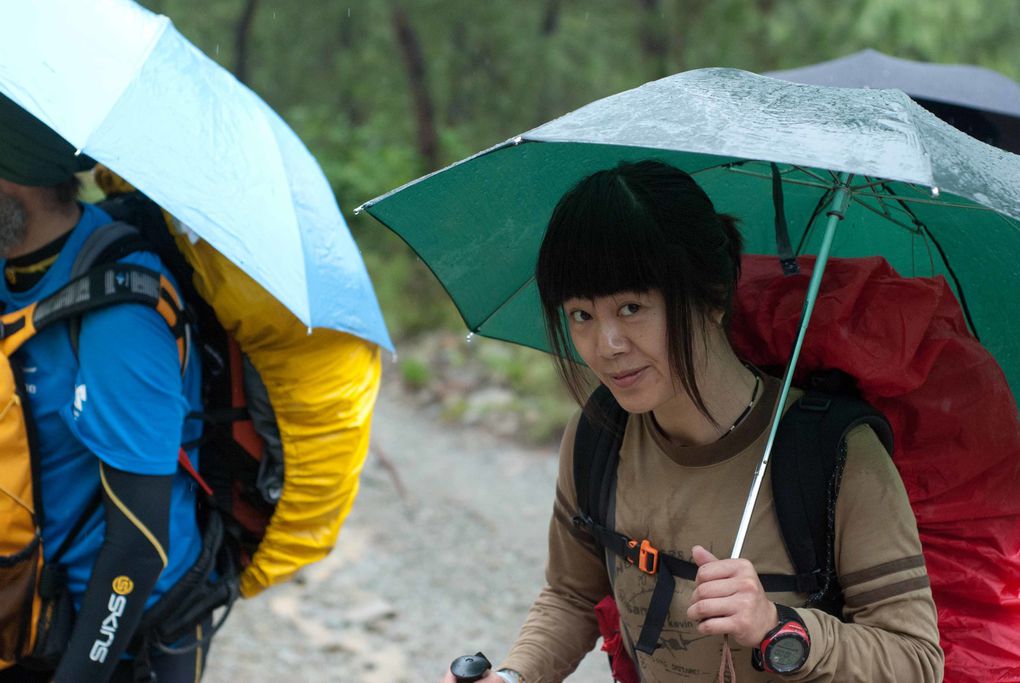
(913, 229)
(949, 267)
(793, 168)
(872, 184)
(729, 165)
(808, 172)
(885, 213)
(822, 202)
(936, 202)
(785, 180)
(478, 328)
(854, 189)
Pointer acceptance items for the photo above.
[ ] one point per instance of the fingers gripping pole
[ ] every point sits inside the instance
(837, 208)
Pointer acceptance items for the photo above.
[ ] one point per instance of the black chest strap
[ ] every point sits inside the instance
(666, 568)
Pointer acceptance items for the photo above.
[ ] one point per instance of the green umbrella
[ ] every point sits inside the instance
(928, 198)
(792, 161)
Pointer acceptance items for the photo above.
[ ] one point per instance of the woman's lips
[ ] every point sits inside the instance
(627, 379)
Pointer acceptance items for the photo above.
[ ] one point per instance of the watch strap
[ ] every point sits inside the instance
(786, 615)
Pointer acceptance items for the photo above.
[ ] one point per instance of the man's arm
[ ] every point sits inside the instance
(129, 411)
(133, 554)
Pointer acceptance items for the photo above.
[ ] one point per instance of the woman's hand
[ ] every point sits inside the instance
(729, 599)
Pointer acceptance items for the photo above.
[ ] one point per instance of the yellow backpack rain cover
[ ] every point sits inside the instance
(322, 386)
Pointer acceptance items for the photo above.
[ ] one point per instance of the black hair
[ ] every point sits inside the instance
(637, 227)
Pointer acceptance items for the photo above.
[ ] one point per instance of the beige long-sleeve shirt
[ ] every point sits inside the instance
(681, 496)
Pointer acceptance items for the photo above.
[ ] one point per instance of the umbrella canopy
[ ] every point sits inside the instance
(122, 86)
(930, 199)
(980, 102)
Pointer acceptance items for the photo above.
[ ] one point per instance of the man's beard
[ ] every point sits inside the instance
(13, 223)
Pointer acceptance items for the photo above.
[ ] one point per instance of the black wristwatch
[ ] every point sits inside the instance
(786, 647)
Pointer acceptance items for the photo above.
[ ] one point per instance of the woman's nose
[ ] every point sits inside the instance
(612, 342)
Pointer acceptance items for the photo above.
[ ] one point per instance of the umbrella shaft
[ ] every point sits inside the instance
(840, 201)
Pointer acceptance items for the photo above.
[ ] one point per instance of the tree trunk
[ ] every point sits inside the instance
(414, 64)
(547, 32)
(242, 34)
(551, 18)
(654, 41)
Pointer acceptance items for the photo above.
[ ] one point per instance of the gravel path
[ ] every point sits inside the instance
(445, 569)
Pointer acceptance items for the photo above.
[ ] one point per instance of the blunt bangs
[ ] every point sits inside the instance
(599, 244)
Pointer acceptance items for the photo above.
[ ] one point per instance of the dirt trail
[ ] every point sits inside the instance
(447, 569)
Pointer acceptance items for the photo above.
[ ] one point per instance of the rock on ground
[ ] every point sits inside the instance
(448, 568)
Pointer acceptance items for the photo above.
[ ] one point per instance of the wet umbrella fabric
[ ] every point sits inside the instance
(122, 86)
(982, 103)
(928, 198)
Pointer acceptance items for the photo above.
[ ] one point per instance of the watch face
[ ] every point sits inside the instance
(787, 653)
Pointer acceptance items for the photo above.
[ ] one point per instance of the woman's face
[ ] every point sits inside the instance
(622, 338)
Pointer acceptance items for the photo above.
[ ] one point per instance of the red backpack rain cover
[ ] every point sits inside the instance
(954, 419)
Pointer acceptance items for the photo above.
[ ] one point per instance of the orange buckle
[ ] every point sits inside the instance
(648, 556)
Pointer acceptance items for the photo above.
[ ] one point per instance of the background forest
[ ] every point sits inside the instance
(383, 91)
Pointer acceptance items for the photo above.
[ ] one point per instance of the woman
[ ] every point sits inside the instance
(637, 273)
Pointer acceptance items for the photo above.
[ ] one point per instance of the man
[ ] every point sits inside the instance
(110, 417)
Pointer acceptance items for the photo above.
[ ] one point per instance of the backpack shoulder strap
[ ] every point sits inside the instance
(106, 245)
(101, 286)
(97, 260)
(807, 467)
(596, 452)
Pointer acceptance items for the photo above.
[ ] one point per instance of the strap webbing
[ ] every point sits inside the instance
(806, 480)
(786, 256)
(596, 451)
(667, 567)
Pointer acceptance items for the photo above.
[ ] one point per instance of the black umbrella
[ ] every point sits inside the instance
(980, 102)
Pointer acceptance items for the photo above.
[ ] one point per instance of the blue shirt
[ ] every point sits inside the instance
(122, 399)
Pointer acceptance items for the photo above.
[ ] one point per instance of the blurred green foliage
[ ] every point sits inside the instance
(383, 91)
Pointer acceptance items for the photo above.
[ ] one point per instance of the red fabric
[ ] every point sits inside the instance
(955, 424)
(612, 642)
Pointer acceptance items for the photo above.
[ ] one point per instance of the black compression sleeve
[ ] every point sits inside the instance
(130, 560)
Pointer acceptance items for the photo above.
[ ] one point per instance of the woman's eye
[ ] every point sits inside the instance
(629, 309)
(579, 316)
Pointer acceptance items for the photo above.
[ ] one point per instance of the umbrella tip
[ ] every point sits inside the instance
(470, 337)
(77, 152)
(358, 210)
(935, 192)
(517, 140)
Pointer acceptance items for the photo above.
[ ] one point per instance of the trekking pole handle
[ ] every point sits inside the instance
(470, 668)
